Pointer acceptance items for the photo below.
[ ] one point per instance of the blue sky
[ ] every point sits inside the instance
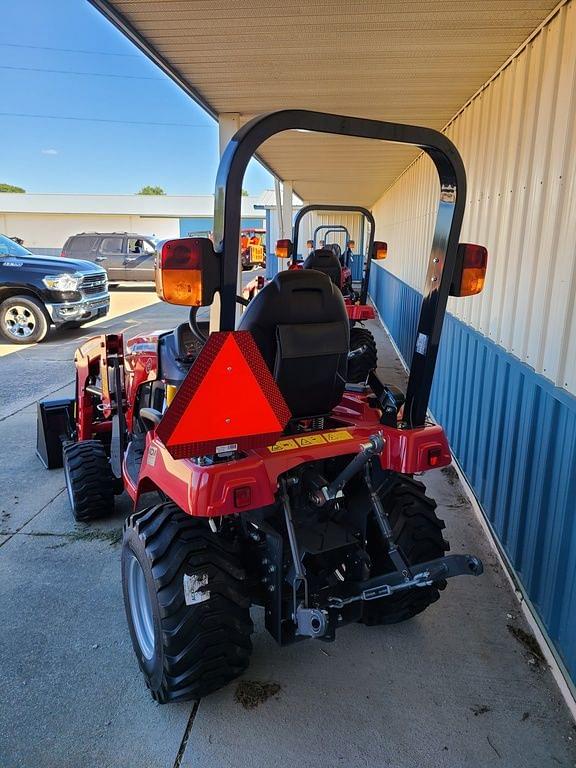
(42, 44)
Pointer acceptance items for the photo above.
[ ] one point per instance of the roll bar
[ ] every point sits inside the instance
(330, 228)
(451, 203)
(348, 209)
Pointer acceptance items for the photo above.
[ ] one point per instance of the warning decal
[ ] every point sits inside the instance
(338, 436)
(305, 441)
(283, 445)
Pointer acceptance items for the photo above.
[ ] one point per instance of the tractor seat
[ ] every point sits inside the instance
(300, 325)
(325, 260)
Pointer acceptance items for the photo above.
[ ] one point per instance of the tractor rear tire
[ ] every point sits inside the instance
(418, 535)
(187, 603)
(89, 480)
(359, 367)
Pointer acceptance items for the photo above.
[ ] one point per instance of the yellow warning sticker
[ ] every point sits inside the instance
(307, 440)
(283, 445)
(337, 436)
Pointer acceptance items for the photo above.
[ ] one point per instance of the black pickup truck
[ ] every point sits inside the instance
(39, 291)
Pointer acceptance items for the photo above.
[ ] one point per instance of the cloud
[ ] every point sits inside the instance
(49, 151)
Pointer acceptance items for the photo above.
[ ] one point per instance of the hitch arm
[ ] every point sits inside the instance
(333, 490)
(425, 574)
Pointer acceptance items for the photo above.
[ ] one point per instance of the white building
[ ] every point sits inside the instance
(45, 222)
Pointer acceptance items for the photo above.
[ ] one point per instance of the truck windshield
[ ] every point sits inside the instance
(10, 248)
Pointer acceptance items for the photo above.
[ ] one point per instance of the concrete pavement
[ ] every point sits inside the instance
(451, 688)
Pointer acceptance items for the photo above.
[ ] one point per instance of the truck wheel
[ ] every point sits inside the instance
(23, 320)
(418, 534)
(187, 604)
(359, 367)
(89, 480)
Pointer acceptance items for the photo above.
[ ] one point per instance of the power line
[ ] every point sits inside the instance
(88, 74)
(68, 50)
(101, 120)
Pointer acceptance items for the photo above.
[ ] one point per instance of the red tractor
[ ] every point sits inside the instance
(305, 503)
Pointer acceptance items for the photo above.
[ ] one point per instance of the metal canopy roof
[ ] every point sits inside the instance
(408, 61)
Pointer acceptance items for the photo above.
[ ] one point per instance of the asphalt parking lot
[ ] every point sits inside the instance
(458, 686)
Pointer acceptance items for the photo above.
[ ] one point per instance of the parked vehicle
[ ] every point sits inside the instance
(124, 256)
(252, 248)
(279, 484)
(39, 291)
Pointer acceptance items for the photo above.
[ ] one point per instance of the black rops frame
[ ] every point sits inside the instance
(348, 209)
(329, 229)
(443, 256)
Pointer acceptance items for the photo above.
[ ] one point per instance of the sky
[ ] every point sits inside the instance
(83, 111)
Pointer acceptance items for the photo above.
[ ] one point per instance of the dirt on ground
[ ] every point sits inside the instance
(251, 693)
(529, 642)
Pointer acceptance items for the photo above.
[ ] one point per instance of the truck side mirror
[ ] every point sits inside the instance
(470, 270)
(188, 272)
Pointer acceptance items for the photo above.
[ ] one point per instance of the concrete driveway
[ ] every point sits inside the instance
(454, 687)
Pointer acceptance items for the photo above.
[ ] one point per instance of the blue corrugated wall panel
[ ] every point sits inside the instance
(357, 267)
(514, 434)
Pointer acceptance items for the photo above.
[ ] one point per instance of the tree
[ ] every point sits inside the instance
(245, 193)
(151, 191)
(10, 188)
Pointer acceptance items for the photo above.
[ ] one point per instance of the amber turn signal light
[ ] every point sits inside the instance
(283, 249)
(187, 272)
(470, 271)
(380, 249)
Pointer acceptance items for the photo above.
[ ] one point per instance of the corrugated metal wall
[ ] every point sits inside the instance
(514, 435)
(518, 142)
(506, 374)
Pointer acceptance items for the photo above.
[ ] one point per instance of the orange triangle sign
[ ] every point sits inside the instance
(229, 397)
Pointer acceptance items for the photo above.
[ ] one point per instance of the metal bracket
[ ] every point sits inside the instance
(311, 622)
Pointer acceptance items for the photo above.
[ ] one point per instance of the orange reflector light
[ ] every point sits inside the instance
(283, 249)
(187, 272)
(242, 497)
(209, 409)
(470, 271)
(380, 249)
(434, 455)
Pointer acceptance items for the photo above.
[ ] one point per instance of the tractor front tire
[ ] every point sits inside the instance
(187, 604)
(89, 480)
(418, 534)
(359, 367)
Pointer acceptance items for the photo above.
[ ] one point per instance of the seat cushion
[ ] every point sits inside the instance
(300, 325)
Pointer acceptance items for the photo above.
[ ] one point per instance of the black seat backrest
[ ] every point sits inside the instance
(325, 260)
(300, 325)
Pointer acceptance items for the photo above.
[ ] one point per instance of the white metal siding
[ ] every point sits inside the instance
(352, 221)
(518, 142)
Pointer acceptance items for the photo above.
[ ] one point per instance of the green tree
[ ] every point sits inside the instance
(245, 193)
(151, 191)
(10, 188)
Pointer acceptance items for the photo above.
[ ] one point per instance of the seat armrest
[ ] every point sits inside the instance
(150, 416)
